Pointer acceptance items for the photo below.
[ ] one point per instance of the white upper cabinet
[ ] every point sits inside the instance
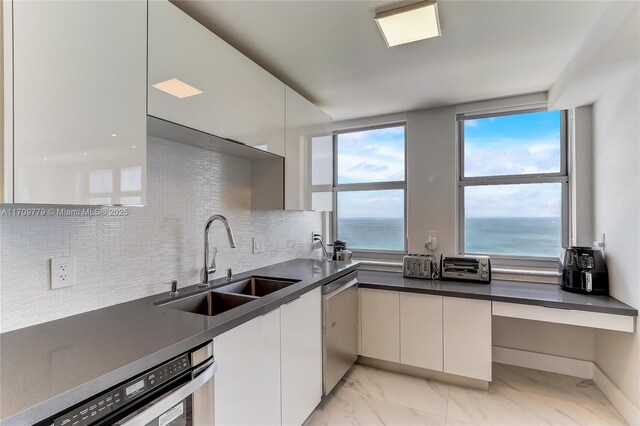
(77, 131)
(309, 159)
(198, 80)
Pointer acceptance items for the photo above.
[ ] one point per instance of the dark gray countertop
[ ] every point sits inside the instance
(549, 295)
(49, 367)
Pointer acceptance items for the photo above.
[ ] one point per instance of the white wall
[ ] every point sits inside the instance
(121, 259)
(431, 178)
(616, 125)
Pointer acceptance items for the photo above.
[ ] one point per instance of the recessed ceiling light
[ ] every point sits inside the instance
(411, 23)
(133, 146)
(113, 135)
(84, 153)
(177, 88)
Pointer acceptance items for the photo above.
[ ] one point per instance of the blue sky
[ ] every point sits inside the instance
(371, 156)
(512, 145)
(506, 145)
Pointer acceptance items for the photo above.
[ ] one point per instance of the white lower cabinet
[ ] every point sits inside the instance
(270, 368)
(427, 331)
(247, 383)
(380, 327)
(301, 346)
(467, 337)
(421, 330)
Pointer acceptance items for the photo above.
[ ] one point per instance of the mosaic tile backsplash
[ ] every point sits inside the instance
(125, 258)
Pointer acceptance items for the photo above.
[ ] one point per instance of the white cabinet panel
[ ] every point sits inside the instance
(247, 383)
(467, 337)
(380, 310)
(306, 125)
(238, 99)
(79, 102)
(421, 330)
(301, 340)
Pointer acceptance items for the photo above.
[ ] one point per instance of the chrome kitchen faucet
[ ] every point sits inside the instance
(210, 270)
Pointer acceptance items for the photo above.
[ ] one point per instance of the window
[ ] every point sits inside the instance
(370, 189)
(513, 184)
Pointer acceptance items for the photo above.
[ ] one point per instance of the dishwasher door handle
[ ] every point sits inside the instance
(340, 289)
(160, 407)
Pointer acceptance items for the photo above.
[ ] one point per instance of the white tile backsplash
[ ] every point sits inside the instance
(124, 258)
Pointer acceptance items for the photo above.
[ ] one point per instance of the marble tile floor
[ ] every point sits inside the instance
(517, 396)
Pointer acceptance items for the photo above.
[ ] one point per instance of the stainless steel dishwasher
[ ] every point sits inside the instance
(339, 329)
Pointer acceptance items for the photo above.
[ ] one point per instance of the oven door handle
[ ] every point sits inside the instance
(160, 407)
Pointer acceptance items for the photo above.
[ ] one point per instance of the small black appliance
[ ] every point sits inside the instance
(584, 271)
(338, 245)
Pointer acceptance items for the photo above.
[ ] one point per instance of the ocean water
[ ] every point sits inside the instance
(507, 236)
(372, 233)
(524, 236)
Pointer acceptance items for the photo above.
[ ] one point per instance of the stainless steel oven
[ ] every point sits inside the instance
(339, 329)
(178, 392)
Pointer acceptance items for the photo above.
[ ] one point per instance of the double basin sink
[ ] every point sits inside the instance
(221, 299)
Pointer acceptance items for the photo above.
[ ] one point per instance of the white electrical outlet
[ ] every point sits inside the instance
(63, 272)
(258, 245)
(432, 240)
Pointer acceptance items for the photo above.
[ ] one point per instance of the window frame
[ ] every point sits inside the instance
(346, 187)
(562, 177)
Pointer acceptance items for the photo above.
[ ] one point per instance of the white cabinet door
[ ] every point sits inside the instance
(467, 337)
(79, 102)
(380, 310)
(238, 99)
(301, 339)
(309, 177)
(421, 330)
(247, 383)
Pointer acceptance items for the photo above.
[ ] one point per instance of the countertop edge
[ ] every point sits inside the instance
(367, 282)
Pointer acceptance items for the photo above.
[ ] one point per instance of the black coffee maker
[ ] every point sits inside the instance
(584, 271)
(338, 245)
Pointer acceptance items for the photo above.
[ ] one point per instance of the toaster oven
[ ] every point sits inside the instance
(466, 268)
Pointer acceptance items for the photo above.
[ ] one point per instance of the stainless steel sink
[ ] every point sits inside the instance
(256, 286)
(210, 303)
(229, 296)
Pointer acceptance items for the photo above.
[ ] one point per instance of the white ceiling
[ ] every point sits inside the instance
(333, 53)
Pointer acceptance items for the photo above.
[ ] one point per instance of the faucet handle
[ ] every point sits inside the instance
(174, 287)
(229, 274)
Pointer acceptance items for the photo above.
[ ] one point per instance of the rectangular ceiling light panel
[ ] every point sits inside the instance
(410, 23)
(177, 88)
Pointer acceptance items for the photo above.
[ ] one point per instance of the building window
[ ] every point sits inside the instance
(370, 189)
(513, 185)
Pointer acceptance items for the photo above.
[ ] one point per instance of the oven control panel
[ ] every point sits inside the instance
(104, 404)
